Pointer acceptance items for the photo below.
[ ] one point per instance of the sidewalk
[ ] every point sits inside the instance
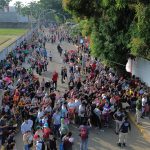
(144, 128)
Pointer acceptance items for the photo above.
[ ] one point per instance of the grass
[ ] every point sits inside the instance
(9, 31)
(3, 39)
(8, 36)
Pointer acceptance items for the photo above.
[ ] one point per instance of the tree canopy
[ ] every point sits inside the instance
(4, 3)
(35, 9)
(117, 29)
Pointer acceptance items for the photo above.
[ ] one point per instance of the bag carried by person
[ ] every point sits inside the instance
(84, 133)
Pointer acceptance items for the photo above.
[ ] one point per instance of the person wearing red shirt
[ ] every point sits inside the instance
(94, 66)
(47, 131)
(92, 75)
(55, 78)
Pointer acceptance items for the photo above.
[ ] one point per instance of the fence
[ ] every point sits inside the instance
(12, 46)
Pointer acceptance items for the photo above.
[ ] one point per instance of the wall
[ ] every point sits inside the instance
(140, 68)
(27, 36)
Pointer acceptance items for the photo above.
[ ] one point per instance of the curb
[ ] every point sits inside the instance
(140, 128)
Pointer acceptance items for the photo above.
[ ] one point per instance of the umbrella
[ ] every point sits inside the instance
(72, 51)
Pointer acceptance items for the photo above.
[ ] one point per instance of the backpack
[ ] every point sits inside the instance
(84, 133)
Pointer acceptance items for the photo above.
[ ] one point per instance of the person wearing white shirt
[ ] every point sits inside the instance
(40, 114)
(7, 108)
(56, 121)
(97, 113)
(44, 120)
(144, 101)
(81, 112)
(77, 104)
(64, 111)
(26, 126)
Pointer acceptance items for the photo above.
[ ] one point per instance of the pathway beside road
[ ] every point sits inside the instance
(144, 129)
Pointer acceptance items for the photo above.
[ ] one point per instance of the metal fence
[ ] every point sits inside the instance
(27, 36)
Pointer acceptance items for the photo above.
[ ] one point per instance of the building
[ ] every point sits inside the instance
(9, 18)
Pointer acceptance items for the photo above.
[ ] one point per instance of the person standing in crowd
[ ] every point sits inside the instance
(118, 116)
(97, 113)
(3, 128)
(123, 132)
(55, 78)
(62, 74)
(56, 122)
(50, 56)
(65, 73)
(84, 135)
(45, 64)
(144, 102)
(81, 113)
(53, 98)
(138, 110)
(27, 140)
(63, 128)
(43, 84)
(26, 125)
(40, 144)
(52, 143)
(59, 49)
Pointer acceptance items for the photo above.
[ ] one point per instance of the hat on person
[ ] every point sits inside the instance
(45, 125)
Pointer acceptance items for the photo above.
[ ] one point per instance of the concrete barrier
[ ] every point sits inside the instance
(28, 36)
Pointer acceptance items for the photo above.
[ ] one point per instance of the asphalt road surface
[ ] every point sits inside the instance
(98, 140)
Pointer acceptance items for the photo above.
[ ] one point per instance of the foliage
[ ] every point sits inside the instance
(4, 3)
(42, 8)
(86, 27)
(82, 8)
(18, 6)
(140, 32)
(12, 31)
(118, 28)
(55, 5)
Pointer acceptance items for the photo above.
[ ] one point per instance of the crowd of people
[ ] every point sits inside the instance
(96, 96)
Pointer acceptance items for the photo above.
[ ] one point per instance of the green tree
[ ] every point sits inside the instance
(41, 8)
(55, 5)
(119, 27)
(25, 10)
(4, 3)
(140, 32)
(18, 6)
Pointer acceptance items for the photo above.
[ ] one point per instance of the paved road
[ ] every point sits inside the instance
(97, 140)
